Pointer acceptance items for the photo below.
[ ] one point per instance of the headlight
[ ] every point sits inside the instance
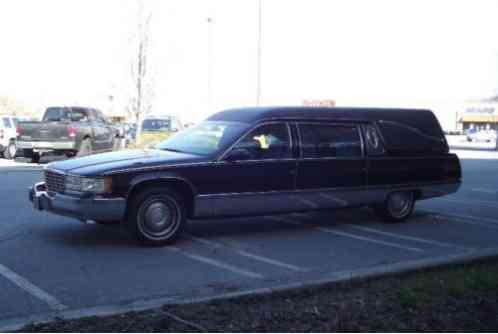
(88, 184)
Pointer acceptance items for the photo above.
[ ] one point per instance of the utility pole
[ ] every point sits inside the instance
(258, 70)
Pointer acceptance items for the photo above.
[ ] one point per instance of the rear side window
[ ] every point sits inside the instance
(55, 115)
(65, 114)
(6, 122)
(404, 137)
(329, 141)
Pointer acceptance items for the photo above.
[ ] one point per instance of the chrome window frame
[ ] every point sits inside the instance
(332, 124)
(289, 133)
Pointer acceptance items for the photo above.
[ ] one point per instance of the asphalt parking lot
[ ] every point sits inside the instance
(52, 263)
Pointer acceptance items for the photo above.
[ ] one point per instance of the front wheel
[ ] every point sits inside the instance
(397, 207)
(85, 148)
(156, 216)
(10, 151)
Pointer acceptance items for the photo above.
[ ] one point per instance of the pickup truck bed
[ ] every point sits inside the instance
(66, 130)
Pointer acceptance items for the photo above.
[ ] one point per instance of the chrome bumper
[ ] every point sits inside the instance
(92, 208)
(42, 145)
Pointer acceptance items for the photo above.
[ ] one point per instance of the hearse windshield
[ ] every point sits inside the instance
(205, 138)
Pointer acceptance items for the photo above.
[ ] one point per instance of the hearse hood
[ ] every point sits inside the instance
(100, 164)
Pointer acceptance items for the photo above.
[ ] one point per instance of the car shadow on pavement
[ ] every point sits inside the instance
(89, 235)
(93, 235)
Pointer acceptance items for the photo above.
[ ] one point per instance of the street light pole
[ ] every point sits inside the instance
(209, 65)
(258, 70)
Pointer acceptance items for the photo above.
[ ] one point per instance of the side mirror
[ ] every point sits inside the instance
(238, 154)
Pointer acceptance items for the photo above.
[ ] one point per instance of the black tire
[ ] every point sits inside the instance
(10, 151)
(116, 145)
(35, 157)
(397, 207)
(108, 223)
(85, 148)
(156, 216)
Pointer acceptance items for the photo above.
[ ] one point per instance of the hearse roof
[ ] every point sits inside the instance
(256, 114)
(403, 129)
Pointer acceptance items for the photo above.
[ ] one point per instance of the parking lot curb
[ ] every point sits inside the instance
(361, 274)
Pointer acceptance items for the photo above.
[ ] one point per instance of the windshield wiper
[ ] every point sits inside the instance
(171, 149)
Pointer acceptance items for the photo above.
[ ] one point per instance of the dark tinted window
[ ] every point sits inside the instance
(270, 141)
(403, 137)
(65, 114)
(6, 122)
(328, 141)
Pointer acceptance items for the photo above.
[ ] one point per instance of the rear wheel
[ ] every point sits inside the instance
(35, 157)
(10, 151)
(85, 148)
(156, 216)
(397, 207)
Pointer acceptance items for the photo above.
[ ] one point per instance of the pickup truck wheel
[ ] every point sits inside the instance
(156, 216)
(116, 144)
(85, 148)
(10, 151)
(35, 157)
(397, 207)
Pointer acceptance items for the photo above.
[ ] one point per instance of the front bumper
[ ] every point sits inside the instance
(92, 208)
(46, 146)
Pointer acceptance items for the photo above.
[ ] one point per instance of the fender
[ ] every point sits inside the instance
(159, 175)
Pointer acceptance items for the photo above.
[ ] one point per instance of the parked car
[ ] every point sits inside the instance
(482, 135)
(158, 129)
(8, 126)
(259, 161)
(73, 131)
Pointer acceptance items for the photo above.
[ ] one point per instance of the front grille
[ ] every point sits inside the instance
(55, 181)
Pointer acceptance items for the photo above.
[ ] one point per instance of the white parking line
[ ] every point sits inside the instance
(483, 190)
(32, 289)
(406, 237)
(248, 254)
(459, 216)
(349, 235)
(216, 263)
(488, 204)
(471, 220)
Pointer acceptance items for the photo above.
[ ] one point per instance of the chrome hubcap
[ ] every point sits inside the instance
(158, 219)
(400, 203)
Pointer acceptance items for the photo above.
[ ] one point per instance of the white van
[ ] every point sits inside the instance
(8, 130)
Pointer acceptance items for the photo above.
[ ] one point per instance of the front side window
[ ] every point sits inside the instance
(6, 122)
(269, 141)
(329, 141)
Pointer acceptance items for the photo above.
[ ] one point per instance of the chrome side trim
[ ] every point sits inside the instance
(209, 205)
(158, 167)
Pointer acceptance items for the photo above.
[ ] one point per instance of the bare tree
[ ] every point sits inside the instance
(142, 93)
